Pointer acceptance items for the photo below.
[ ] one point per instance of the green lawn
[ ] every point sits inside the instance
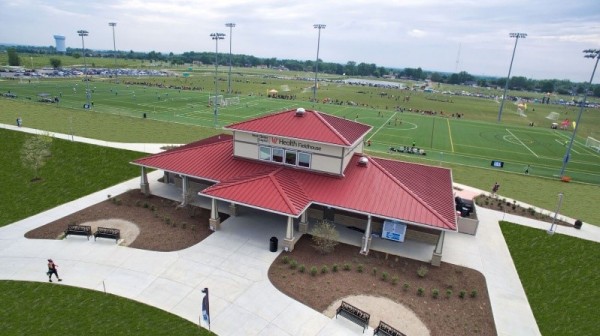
(33, 308)
(72, 171)
(561, 277)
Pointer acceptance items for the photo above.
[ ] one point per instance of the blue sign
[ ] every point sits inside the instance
(393, 230)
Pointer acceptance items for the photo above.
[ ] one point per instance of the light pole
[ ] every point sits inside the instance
(216, 37)
(516, 36)
(113, 24)
(88, 94)
(589, 53)
(552, 228)
(230, 25)
(319, 27)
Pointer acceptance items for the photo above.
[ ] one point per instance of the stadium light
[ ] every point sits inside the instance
(216, 37)
(589, 53)
(113, 24)
(319, 27)
(516, 36)
(552, 228)
(88, 94)
(230, 25)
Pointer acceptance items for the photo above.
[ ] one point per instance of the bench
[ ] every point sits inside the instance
(79, 230)
(384, 329)
(103, 232)
(353, 314)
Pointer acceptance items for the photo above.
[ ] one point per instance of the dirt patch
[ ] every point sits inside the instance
(511, 207)
(444, 315)
(163, 226)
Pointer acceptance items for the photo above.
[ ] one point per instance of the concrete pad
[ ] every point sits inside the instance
(164, 293)
(263, 299)
(234, 321)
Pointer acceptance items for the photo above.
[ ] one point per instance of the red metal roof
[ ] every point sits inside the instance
(384, 188)
(313, 126)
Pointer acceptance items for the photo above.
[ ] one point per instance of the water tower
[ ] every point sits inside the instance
(60, 43)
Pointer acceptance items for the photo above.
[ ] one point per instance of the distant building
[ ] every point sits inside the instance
(60, 43)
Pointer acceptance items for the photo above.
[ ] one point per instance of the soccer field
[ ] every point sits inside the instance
(443, 138)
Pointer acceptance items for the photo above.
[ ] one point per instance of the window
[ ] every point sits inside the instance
(264, 153)
(278, 155)
(304, 160)
(290, 157)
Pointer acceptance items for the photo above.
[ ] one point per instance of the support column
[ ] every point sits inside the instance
(184, 192)
(436, 258)
(144, 185)
(233, 210)
(303, 225)
(214, 221)
(366, 239)
(289, 241)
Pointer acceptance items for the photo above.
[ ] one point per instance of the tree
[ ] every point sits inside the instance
(76, 55)
(35, 152)
(13, 57)
(55, 62)
(324, 236)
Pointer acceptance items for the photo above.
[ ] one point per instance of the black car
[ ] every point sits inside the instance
(464, 206)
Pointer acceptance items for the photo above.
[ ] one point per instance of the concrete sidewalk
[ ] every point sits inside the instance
(233, 263)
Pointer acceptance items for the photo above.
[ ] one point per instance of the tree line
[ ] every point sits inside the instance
(351, 68)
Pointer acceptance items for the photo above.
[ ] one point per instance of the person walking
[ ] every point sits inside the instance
(527, 170)
(19, 122)
(52, 270)
(495, 188)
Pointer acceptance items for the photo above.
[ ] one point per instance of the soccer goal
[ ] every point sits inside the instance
(231, 101)
(219, 100)
(593, 143)
(553, 116)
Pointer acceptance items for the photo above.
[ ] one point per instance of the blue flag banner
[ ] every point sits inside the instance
(205, 308)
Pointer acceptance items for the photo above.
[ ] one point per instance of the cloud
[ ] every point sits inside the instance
(417, 33)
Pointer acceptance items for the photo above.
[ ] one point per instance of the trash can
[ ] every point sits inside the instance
(273, 244)
(578, 224)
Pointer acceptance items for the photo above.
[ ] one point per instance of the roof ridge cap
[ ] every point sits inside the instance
(410, 192)
(343, 138)
(284, 195)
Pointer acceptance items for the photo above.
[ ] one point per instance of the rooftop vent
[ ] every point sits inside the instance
(363, 161)
(300, 112)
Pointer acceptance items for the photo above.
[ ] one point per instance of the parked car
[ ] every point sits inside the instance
(464, 206)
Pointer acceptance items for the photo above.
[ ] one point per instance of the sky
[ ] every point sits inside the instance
(437, 35)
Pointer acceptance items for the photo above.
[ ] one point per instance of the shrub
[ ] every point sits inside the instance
(395, 280)
(374, 271)
(313, 271)
(435, 293)
(301, 268)
(324, 236)
(360, 268)
(138, 203)
(167, 220)
(385, 276)
(462, 294)
(324, 269)
(347, 267)
(473, 293)
(448, 293)
(285, 259)
(420, 291)
(153, 207)
(146, 205)
(422, 271)
(293, 264)
(334, 268)
(406, 286)
(183, 225)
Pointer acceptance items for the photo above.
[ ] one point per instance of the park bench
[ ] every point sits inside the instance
(103, 232)
(79, 230)
(353, 314)
(384, 329)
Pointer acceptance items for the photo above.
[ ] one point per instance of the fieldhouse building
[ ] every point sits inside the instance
(306, 166)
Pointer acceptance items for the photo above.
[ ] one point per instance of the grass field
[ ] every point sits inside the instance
(561, 276)
(475, 139)
(33, 308)
(72, 171)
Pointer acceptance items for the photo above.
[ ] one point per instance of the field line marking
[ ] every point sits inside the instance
(524, 145)
(380, 127)
(450, 134)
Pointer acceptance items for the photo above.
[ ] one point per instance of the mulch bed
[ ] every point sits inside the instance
(442, 315)
(503, 205)
(163, 226)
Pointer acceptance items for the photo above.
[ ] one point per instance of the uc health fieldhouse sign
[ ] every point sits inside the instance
(276, 141)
